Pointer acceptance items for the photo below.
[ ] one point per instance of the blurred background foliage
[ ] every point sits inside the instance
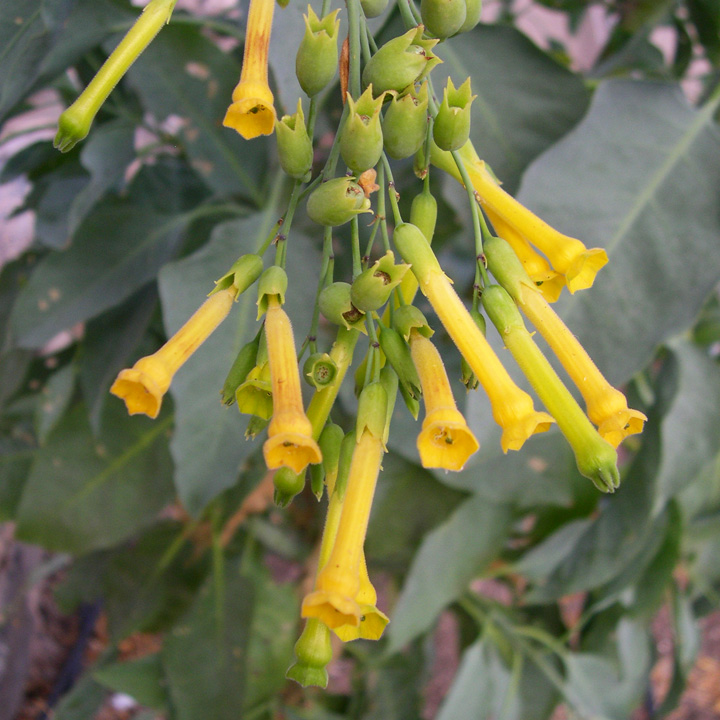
(541, 589)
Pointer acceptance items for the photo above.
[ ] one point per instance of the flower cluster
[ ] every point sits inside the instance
(390, 108)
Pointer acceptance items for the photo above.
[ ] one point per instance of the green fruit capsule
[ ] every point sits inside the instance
(443, 18)
(317, 56)
(452, 124)
(336, 305)
(405, 123)
(373, 8)
(361, 141)
(295, 148)
(423, 213)
(372, 287)
(473, 9)
(288, 484)
(400, 62)
(337, 201)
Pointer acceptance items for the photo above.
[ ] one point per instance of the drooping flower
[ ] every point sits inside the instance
(445, 440)
(290, 437)
(252, 112)
(143, 386)
(512, 407)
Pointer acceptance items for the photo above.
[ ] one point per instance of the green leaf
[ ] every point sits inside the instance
(633, 177)
(82, 702)
(85, 493)
(208, 444)
(205, 655)
(28, 29)
(56, 396)
(16, 455)
(505, 65)
(691, 426)
(184, 73)
(448, 559)
(142, 679)
(116, 251)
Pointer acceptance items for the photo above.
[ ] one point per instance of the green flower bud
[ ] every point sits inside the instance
(452, 124)
(398, 355)
(406, 318)
(288, 484)
(313, 652)
(373, 8)
(423, 213)
(506, 266)
(255, 426)
(372, 410)
(443, 18)
(319, 370)
(317, 56)
(372, 287)
(361, 141)
(467, 375)
(244, 363)
(390, 381)
(347, 446)
(414, 248)
(405, 123)
(337, 201)
(400, 62)
(317, 479)
(336, 305)
(273, 281)
(294, 145)
(473, 9)
(330, 441)
(254, 395)
(242, 274)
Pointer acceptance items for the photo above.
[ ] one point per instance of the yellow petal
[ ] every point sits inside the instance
(446, 441)
(371, 627)
(143, 386)
(333, 608)
(252, 112)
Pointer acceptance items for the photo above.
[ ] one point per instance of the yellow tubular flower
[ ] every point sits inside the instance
(547, 281)
(373, 621)
(252, 112)
(445, 440)
(143, 386)
(338, 583)
(606, 406)
(567, 255)
(290, 441)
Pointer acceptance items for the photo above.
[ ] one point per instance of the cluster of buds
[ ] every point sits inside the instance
(520, 269)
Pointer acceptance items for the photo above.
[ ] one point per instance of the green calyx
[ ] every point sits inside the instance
(336, 305)
(313, 652)
(408, 317)
(241, 275)
(254, 394)
(443, 18)
(473, 9)
(423, 213)
(319, 370)
(295, 148)
(398, 355)
(372, 287)
(506, 266)
(317, 57)
(373, 8)
(372, 410)
(414, 248)
(361, 141)
(401, 61)
(273, 281)
(451, 129)
(330, 441)
(288, 484)
(405, 123)
(241, 367)
(337, 201)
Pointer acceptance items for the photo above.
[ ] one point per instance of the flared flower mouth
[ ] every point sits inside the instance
(446, 442)
(372, 625)
(517, 428)
(294, 449)
(581, 272)
(252, 116)
(617, 427)
(143, 386)
(332, 608)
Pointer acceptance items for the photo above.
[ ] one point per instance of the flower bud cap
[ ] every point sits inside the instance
(372, 410)
(241, 275)
(273, 281)
(407, 317)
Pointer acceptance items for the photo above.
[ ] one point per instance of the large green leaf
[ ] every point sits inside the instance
(116, 251)
(448, 559)
(205, 656)
(183, 73)
(142, 679)
(28, 28)
(85, 493)
(638, 177)
(208, 444)
(504, 66)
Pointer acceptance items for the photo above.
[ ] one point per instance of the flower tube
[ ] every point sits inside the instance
(290, 441)
(512, 408)
(445, 440)
(143, 386)
(252, 112)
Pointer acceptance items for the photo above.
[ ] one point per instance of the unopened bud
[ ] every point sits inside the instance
(361, 141)
(452, 124)
(337, 201)
(443, 18)
(317, 57)
(295, 149)
(405, 123)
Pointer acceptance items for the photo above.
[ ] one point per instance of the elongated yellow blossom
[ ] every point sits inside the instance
(143, 386)
(606, 406)
(252, 112)
(512, 407)
(290, 436)
(445, 440)
(547, 281)
(338, 583)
